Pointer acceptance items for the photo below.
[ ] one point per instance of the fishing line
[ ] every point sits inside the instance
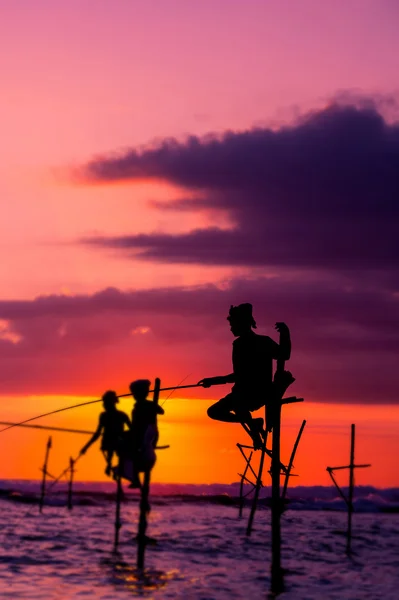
(58, 410)
(174, 389)
(48, 428)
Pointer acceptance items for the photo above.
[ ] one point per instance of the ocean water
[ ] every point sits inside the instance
(201, 550)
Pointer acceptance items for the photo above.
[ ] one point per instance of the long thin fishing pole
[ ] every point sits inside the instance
(48, 428)
(178, 386)
(58, 410)
(56, 480)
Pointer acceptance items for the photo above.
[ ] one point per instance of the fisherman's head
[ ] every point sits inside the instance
(241, 319)
(140, 388)
(110, 399)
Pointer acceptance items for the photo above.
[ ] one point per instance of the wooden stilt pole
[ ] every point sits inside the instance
(243, 478)
(351, 484)
(118, 523)
(44, 470)
(348, 500)
(144, 505)
(276, 571)
(70, 482)
(144, 500)
(289, 467)
(257, 487)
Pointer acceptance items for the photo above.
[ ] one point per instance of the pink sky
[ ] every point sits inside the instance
(79, 79)
(83, 78)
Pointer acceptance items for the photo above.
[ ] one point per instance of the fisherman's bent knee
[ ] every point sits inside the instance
(213, 412)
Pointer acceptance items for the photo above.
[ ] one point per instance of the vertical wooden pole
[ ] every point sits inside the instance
(288, 473)
(351, 484)
(276, 571)
(241, 497)
(118, 523)
(145, 491)
(43, 488)
(70, 482)
(248, 460)
(144, 500)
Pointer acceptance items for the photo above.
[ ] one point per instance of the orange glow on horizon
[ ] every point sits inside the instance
(204, 451)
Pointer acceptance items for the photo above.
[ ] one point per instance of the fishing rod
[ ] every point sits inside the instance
(47, 428)
(179, 386)
(58, 410)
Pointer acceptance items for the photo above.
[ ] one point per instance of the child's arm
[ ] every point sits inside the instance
(94, 437)
(126, 420)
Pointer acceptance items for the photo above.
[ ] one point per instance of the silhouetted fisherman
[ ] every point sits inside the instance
(141, 440)
(111, 426)
(252, 375)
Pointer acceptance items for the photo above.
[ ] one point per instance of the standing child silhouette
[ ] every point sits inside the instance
(144, 429)
(138, 451)
(111, 426)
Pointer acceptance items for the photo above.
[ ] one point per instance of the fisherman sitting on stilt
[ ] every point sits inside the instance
(252, 375)
(111, 426)
(138, 454)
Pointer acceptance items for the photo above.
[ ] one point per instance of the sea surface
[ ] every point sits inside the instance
(201, 550)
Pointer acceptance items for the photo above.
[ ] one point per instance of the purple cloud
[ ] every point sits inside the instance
(345, 339)
(321, 193)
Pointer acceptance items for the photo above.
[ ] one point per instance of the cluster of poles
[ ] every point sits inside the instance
(277, 469)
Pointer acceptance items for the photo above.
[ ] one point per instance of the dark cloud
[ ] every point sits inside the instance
(345, 340)
(320, 193)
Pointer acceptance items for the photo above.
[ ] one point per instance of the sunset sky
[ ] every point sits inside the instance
(160, 161)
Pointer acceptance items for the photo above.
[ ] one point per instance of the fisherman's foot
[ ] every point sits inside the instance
(257, 425)
(136, 483)
(256, 433)
(256, 441)
(108, 470)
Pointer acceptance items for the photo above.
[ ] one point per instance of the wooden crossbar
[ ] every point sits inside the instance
(290, 400)
(348, 467)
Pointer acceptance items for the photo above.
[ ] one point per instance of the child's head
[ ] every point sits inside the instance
(140, 388)
(110, 399)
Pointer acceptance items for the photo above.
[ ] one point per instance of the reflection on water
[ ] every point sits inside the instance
(140, 582)
(202, 552)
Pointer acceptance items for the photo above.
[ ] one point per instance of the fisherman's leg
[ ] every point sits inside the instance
(135, 482)
(255, 426)
(108, 457)
(224, 410)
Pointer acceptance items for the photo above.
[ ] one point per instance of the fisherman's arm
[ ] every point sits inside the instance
(283, 349)
(126, 421)
(93, 438)
(220, 380)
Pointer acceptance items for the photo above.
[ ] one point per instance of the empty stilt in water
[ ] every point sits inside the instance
(70, 481)
(44, 474)
(348, 500)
